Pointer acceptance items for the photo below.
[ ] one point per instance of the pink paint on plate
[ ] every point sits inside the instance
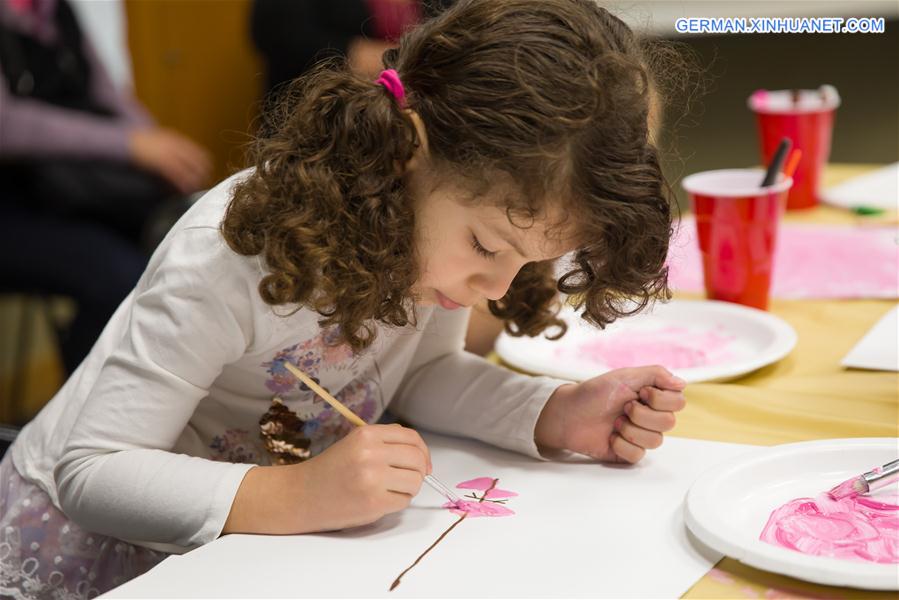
(861, 528)
(671, 347)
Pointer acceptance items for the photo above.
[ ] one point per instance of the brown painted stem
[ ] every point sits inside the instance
(396, 581)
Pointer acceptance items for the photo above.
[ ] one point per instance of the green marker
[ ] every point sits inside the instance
(867, 211)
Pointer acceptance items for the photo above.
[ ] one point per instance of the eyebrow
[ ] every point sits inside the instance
(508, 239)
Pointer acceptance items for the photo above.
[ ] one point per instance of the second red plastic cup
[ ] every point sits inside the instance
(737, 222)
(806, 117)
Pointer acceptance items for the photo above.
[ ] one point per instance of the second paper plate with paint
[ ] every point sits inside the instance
(697, 340)
(769, 509)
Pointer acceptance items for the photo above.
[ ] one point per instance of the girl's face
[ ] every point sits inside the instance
(469, 251)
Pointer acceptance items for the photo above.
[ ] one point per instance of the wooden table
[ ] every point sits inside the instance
(806, 396)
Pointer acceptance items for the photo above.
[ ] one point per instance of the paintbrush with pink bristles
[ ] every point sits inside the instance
(867, 482)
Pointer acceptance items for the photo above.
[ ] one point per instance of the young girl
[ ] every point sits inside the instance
(510, 133)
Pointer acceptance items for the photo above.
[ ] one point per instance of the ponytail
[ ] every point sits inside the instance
(327, 207)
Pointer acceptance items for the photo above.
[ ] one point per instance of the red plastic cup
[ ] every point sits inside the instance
(737, 222)
(806, 117)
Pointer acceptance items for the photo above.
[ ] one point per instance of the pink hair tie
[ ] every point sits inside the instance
(390, 79)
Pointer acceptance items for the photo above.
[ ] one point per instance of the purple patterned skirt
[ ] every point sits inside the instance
(43, 554)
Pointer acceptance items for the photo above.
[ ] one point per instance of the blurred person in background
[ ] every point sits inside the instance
(293, 36)
(84, 171)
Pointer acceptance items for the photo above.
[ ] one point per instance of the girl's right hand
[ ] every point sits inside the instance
(373, 471)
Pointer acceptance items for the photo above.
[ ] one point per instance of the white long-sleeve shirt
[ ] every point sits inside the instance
(151, 436)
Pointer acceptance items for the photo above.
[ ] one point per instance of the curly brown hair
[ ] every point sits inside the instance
(554, 94)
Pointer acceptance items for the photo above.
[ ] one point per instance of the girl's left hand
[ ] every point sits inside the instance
(614, 417)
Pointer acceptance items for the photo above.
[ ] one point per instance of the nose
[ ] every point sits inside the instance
(493, 285)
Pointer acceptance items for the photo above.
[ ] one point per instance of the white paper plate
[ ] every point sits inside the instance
(677, 333)
(728, 506)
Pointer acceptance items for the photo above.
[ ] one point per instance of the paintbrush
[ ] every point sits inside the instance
(867, 482)
(353, 418)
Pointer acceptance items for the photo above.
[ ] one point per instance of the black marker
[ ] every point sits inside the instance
(777, 162)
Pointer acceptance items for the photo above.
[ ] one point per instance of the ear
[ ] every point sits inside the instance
(421, 153)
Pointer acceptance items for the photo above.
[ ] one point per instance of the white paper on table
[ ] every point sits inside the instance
(878, 189)
(580, 530)
(879, 349)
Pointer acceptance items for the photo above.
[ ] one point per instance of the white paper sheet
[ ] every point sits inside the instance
(878, 189)
(879, 349)
(580, 530)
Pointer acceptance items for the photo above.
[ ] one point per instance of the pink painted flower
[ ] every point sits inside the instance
(480, 483)
(485, 483)
(496, 494)
(478, 509)
(488, 504)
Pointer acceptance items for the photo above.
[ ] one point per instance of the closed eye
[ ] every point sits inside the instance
(481, 249)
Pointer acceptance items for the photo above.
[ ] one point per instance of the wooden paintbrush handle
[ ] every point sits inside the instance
(323, 393)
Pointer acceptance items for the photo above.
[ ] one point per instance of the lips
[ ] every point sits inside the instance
(446, 302)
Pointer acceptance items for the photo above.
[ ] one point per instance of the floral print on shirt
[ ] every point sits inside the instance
(324, 362)
(235, 446)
